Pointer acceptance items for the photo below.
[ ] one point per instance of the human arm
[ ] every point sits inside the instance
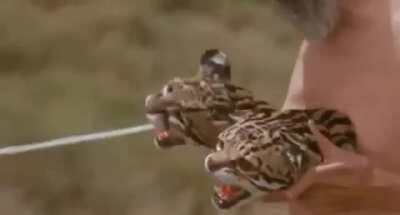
(342, 168)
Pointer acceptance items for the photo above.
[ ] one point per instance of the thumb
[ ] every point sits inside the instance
(305, 182)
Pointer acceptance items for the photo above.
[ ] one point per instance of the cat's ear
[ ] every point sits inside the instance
(215, 66)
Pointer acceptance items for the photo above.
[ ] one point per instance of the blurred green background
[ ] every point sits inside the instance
(78, 66)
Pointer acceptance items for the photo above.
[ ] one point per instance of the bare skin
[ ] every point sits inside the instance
(356, 69)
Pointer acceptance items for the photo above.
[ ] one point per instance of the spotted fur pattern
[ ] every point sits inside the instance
(255, 147)
(199, 110)
(264, 153)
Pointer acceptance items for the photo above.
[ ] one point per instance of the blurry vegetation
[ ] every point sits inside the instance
(75, 66)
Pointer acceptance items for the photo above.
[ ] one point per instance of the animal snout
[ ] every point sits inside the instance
(148, 100)
(213, 163)
(153, 104)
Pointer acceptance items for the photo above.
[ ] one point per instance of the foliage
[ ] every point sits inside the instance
(76, 66)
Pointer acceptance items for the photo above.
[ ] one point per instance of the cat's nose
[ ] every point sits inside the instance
(153, 104)
(213, 164)
(148, 100)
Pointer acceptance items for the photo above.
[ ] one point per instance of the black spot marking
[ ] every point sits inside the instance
(333, 122)
(326, 115)
(244, 164)
(269, 168)
(259, 161)
(254, 149)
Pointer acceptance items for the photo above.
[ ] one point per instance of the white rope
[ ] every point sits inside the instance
(74, 140)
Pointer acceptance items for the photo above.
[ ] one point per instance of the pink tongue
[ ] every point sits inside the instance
(228, 191)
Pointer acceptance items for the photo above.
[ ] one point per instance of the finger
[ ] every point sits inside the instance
(346, 174)
(337, 166)
(388, 179)
(274, 197)
(302, 185)
(348, 162)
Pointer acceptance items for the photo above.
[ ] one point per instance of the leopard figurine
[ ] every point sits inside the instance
(264, 153)
(188, 112)
(194, 111)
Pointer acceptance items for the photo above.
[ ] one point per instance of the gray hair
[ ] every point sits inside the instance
(315, 18)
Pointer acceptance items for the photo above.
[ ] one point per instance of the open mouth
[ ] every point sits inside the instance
(226, 196)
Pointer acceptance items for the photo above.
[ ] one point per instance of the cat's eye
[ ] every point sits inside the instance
(167, 89)
(170, 89)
